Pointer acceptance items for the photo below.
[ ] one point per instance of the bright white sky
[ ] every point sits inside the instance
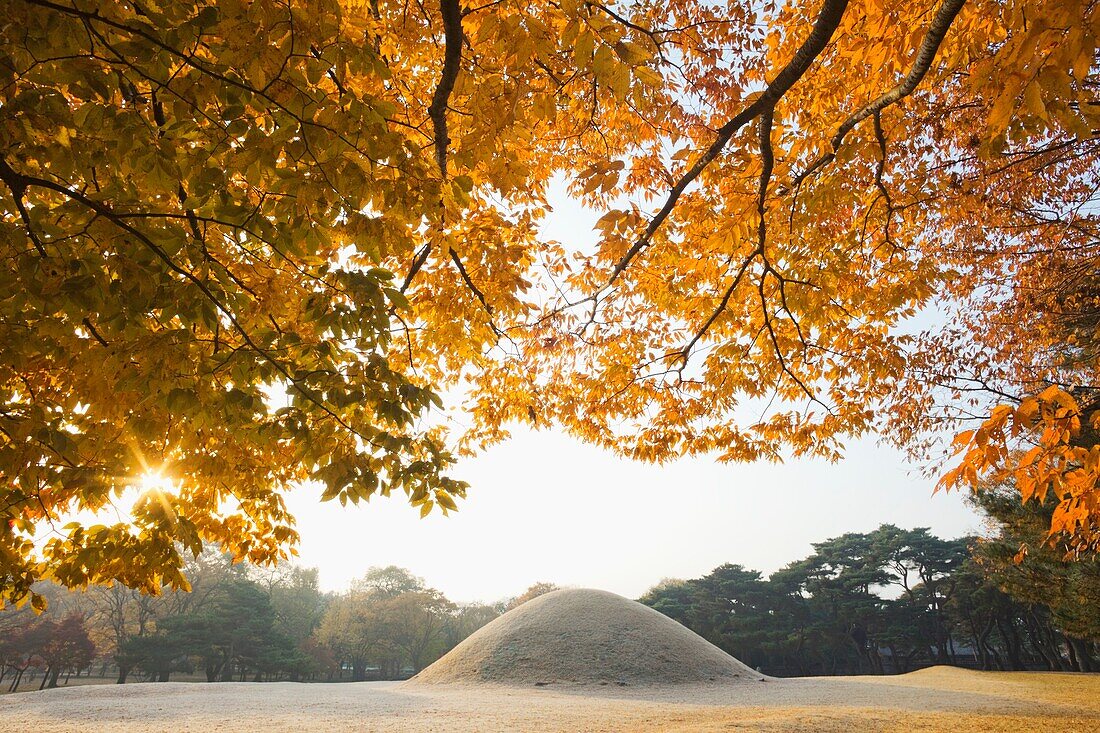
(544, 507)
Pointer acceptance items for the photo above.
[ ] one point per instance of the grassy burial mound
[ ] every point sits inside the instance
(585, 637)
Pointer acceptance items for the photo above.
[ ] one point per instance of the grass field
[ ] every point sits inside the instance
(937, 699)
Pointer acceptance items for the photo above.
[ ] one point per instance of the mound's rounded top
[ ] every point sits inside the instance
(587, 637)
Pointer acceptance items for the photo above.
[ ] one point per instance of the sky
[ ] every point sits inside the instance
(545, 507)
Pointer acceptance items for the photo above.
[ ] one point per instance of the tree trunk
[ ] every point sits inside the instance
(1085, 662)
(1012, 644)
(984, 647)
(1035, 633)
(941, 650)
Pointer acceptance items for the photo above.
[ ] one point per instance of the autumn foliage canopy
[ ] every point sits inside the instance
(248, 243)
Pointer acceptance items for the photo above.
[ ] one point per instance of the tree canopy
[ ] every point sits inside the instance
(250, 241)
(239, 622)
(893, 600)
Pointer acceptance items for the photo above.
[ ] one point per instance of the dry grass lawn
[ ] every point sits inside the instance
(939, 699)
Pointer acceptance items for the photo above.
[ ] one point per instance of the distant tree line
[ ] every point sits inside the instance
(390, 625)
(45, 644)
(893, 600)
(239, 623)
(887, 601)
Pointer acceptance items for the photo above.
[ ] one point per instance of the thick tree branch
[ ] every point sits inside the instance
(926, 54)
(452, 57)
(824, 26)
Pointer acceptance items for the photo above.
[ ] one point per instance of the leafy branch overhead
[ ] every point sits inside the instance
(250, 242)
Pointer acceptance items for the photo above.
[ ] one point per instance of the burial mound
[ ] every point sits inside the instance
(585, 637)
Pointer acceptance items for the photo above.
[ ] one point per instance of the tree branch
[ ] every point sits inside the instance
(930, 45)
(767, 162)
(879, 183)
(418, 262)
(95, 334)
(824, 26)
(452, 57)
(107, 213)
(18, 188)
(474, 289)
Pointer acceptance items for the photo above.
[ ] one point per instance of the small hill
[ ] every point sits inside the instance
(585, 637)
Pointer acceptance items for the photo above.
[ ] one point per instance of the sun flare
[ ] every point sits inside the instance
(156, 492)
(153, 482)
